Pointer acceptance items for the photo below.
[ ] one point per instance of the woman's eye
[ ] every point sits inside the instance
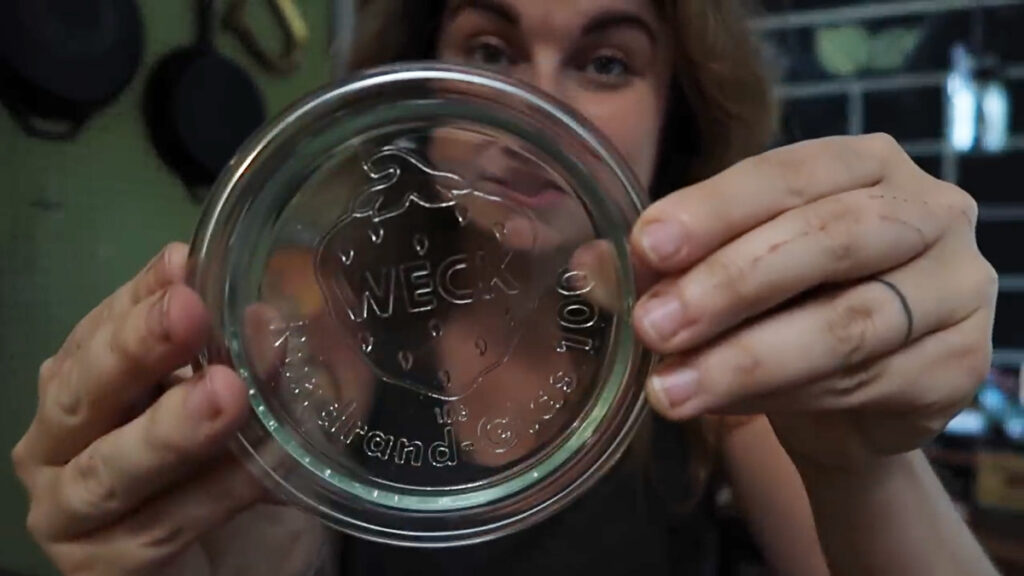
(489, 53)
(608, 65)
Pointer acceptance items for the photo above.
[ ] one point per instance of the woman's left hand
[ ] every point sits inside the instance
(767, 301)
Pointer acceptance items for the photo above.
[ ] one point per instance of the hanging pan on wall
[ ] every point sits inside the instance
(200, 107)
(61, 61)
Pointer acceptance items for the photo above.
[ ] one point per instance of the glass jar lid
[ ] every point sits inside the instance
(422, 276)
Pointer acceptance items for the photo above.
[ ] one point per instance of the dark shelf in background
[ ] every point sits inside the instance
(906, 114)
(1009, 326)
(814, 118)
(994, 178)
(930, 164)
(1002, 243)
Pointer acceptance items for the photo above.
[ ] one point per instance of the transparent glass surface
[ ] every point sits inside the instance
(422, 277)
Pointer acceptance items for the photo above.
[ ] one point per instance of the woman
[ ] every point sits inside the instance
(805, 288)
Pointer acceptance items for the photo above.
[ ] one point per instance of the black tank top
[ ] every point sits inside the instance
(633, 521)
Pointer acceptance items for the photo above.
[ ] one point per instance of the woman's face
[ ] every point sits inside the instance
(608, 59)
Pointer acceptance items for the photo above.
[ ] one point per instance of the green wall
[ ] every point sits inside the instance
(78, 218)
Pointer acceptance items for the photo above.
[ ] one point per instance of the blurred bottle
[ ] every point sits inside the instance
(961, 100)
(994, 129)
(978, 105)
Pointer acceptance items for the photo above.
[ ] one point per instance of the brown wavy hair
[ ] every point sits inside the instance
(720, 110)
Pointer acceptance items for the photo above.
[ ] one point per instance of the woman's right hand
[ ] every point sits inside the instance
(126, 463)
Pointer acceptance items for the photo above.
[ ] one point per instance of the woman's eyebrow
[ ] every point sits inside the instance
(496, 8)
(619, 19)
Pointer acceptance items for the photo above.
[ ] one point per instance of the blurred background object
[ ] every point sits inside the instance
(200, 106)
(343, 21)
(62, 61)
(293, 25)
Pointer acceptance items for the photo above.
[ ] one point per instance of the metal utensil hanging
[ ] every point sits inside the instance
(292, 22)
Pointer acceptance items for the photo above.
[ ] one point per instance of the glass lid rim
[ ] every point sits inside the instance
(323, 103)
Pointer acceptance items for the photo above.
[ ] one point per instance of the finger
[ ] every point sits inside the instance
(840, 238)
(264, 527)
(115, 474)
(686, 226)
(905, 402)
(822, 337)
(94, 392)
(166, 526)
(935, 375)
(166, 268)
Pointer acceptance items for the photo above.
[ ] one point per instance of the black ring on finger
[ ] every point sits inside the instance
(904, 303)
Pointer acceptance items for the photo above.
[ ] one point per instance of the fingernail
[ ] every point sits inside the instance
(662, 317)
(675, 388)
(202, 402)
(662, 240)
(158, 315)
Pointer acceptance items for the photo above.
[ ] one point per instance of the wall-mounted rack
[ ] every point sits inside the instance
(1011, 283)
(897, 82)
(868, 12)
(1008, 358)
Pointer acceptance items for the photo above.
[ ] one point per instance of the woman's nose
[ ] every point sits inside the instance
(544, 73)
